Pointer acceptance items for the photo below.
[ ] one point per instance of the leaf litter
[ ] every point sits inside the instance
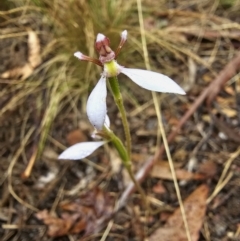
(33, 59)
(195, 209)
(83, 215)
(190, 41)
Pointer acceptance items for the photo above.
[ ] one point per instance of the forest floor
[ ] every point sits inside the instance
(43, 94)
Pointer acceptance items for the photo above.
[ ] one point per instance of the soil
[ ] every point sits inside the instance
(74, 200)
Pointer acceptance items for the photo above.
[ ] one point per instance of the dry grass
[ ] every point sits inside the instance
(183, 40)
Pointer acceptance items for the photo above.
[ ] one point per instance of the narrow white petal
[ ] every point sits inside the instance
(80, 150)
(96, 104)
(107, 121)
(153, 81)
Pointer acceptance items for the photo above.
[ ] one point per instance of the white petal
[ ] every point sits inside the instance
(95, 135)
(80, 150)
(96, 104)
(153, 81)
(107, 121)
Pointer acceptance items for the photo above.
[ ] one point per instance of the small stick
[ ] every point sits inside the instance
(208, 93)
(30, 165)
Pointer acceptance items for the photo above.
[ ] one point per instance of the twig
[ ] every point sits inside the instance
(208, 93)
(226, 74)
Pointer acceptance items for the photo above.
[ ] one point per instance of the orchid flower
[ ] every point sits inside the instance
(96, 104)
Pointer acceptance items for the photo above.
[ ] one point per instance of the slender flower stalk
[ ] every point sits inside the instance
(114, 86)
(126, 161)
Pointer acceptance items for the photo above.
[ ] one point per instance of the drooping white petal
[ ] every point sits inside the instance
(107, 121)
(96, 104)
(153, 81)
(80, 150)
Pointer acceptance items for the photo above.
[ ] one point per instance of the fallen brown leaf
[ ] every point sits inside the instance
(76, 136)
(56, 226)
(163, 172)
(208, 169)
(85, 214)
(195, 208)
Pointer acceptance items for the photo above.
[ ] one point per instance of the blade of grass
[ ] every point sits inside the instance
(157, 108)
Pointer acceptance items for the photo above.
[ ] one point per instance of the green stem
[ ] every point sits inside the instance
(114, 86)
(124, 154)
(126, 161)
(118, 145)
(138, 186)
